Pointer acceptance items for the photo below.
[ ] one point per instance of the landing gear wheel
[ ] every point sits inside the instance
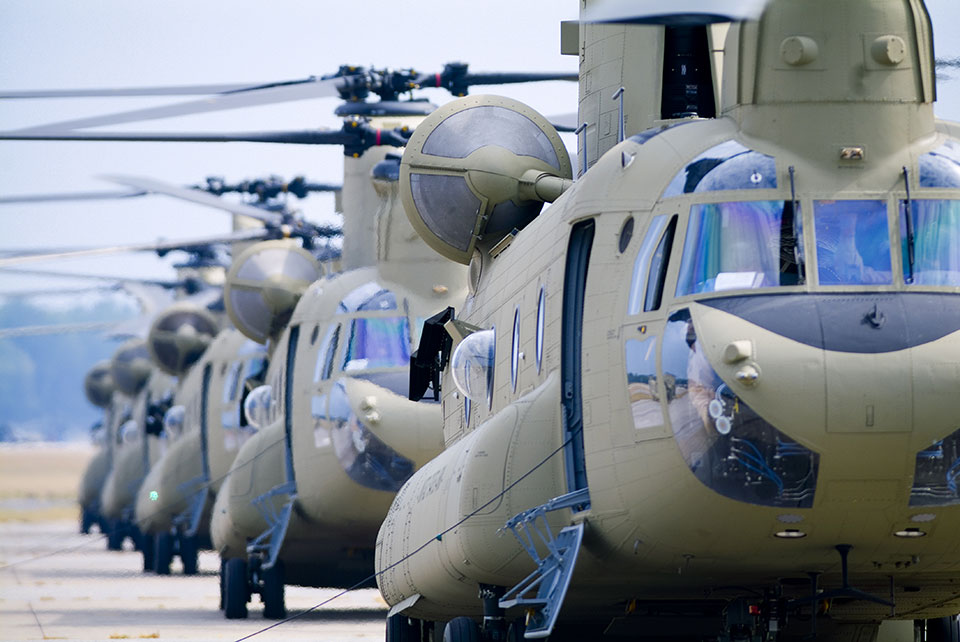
(516, 630)
(400, 628)
(461, 629)
(188, 554)
(235, 589)
(944, 629)
(148, 549)
(273, 593)
(114, 536)
(223, 578)
(87, 519)
(164, 553)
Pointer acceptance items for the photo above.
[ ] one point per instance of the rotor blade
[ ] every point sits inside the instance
(314, 88)
(167, 90)
(509, 78)
(675, 12)
(195, 196)
(564, 122)
(946, 63)
(29, 331)
(27, 294)
(85, 276)
(69, 196)
(296, 137)
(243, 235)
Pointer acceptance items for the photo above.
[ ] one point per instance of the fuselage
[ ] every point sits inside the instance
(763, 371)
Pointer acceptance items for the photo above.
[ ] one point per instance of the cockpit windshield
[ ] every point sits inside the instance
(935, 232)
(741, 245)
(380, 342)
(853, 242)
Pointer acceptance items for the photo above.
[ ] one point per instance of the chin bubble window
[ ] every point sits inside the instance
(728, 446)
(472, 365)
(364, 457)
(937, 475)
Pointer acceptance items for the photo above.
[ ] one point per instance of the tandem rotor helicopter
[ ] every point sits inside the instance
(711, 389)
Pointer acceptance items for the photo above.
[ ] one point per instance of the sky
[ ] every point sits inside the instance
(119, 43)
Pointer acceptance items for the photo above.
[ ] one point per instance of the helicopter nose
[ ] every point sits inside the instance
(867, 362)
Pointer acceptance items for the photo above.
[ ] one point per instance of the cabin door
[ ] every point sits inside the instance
(574, 284)
(288, 393)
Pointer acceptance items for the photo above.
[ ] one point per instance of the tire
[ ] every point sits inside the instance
(944, 629)
(163, 553)
(516, 630)
(148, 548)
(188, 554)
(235, 589)
(272, 595)
(114, 536)
(223, 578)
(400, 628)
(461, 629)
(87, 519)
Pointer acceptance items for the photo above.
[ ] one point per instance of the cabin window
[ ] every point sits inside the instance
(658, 268)
(726, 166)
(935, 226)
(515, 350)
(626, 233)
(467, 406)
(325, 354)
(853, 242)
(382, 342)
(739, 245)
(643, 261)
(936, 481)
(230, 382)
(541, 312)
(641, 363)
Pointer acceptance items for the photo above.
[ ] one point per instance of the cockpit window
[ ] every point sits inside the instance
(726, 166)
(941, 167)
(643, 260)
(328, 349)
(369, 296)
(377, 343)
(740, 245)
(853, 242)
(935, 227)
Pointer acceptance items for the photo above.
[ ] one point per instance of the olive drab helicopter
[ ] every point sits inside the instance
(710, 392)
(178, 338)
(347, 503)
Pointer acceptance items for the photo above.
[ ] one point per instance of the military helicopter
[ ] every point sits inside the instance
(279, 513)
(710, 386)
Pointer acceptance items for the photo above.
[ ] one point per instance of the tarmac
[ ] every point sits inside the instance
(58, 584)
